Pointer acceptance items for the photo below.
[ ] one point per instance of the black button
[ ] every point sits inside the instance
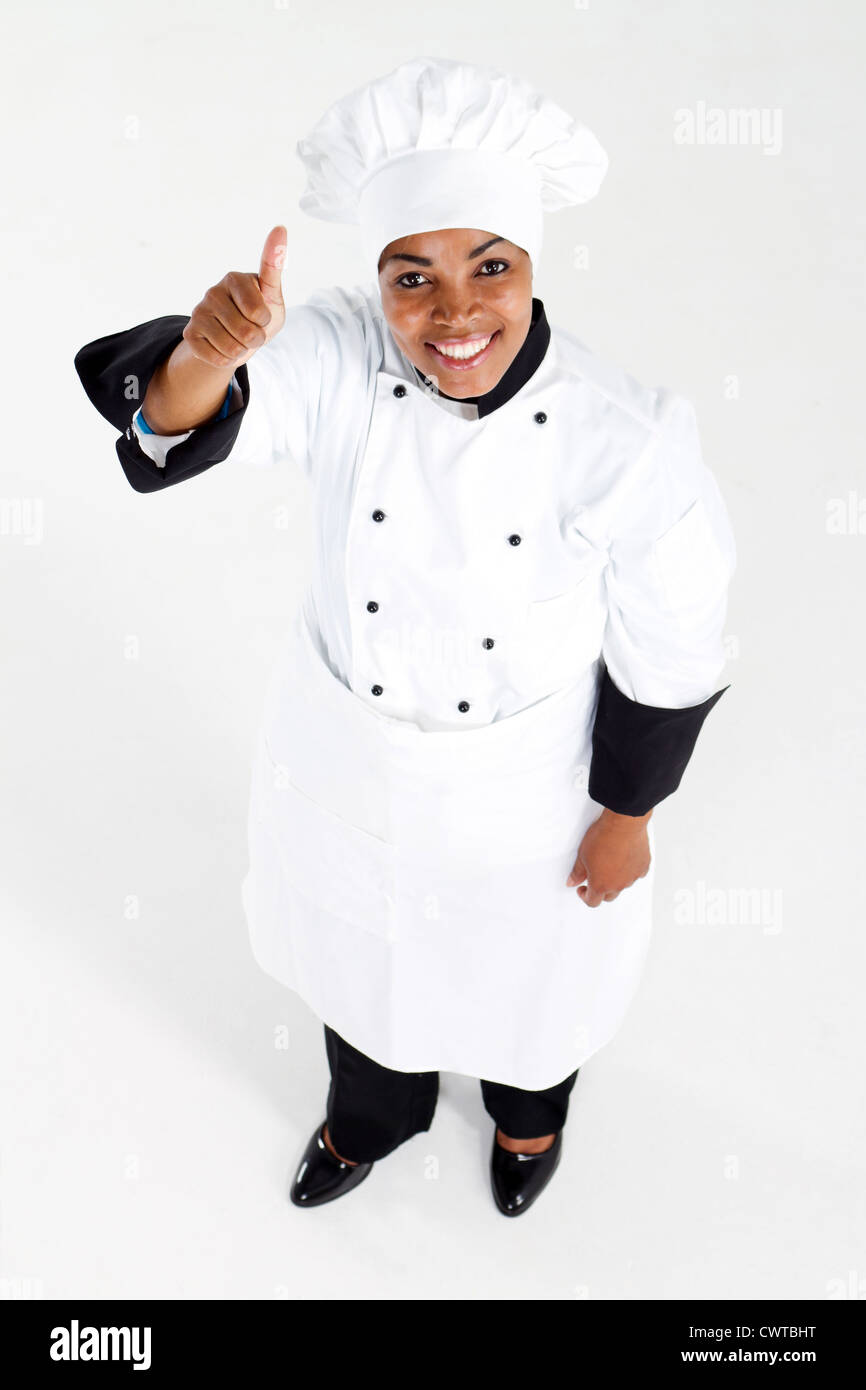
(399, 390)
(463, 707)
(514, 540)
(372, 606)
(376, 689)
(540, 417)
(487, 643)
(378, 515)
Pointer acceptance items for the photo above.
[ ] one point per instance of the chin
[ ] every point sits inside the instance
(462, 387)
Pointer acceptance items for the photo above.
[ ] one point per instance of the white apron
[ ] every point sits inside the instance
(410, 885)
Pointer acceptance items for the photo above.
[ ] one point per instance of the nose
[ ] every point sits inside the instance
(454, 308)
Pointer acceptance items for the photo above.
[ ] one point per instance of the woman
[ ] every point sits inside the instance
(511, 635)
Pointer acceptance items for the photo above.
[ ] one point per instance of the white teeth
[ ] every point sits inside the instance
(463, 350)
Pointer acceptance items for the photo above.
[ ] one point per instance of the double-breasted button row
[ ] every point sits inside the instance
(373, 607)
(378, 515)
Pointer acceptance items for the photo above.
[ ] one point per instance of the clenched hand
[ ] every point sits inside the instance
(233, 320)
(243, 312)
(614, 853)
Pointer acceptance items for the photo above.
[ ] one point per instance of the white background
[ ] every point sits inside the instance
(716, 1147)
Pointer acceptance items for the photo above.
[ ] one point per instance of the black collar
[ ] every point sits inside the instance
(529, 357)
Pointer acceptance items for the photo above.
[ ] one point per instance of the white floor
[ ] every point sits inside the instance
(157, 1088)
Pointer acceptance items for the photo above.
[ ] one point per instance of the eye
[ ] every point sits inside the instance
(496, 267)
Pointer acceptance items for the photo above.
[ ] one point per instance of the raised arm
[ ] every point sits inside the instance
(164, 384)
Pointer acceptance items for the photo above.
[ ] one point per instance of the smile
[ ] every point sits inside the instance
(461, 353)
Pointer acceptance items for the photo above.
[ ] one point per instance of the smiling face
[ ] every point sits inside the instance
(459, 304)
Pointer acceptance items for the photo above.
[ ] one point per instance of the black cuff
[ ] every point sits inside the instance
(640, 752)
(115, 372)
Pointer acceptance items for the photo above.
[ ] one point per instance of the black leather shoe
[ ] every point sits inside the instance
(517, 1179)
(321, 1177)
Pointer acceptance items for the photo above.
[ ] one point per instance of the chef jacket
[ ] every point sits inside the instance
(486, 600)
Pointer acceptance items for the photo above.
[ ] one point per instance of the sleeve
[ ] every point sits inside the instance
(272, 413)
(156, 446)
(671, 557)
(115, 372)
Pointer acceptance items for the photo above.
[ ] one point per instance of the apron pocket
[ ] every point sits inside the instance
(335, 865)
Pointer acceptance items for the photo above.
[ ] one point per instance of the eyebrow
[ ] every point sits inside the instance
(425, 260)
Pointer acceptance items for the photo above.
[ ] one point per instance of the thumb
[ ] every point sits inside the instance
(578, 873)
(273, 260)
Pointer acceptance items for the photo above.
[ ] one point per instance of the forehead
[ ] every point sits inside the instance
(449, 243)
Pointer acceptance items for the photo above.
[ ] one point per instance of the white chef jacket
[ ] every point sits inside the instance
(630, 541)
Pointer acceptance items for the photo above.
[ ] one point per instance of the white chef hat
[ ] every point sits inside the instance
(438, 143)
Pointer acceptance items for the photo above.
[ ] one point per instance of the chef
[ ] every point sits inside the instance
(512, 632)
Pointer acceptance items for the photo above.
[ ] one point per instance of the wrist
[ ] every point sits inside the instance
(184, 392)
(616, 821)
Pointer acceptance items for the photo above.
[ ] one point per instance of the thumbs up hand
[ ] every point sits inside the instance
(243, 312)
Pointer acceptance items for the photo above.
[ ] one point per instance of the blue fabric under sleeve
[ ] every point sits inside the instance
(221, 414)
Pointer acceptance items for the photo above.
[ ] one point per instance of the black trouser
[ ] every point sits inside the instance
(372, 1109)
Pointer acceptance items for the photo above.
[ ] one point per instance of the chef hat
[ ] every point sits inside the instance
(438, 143)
